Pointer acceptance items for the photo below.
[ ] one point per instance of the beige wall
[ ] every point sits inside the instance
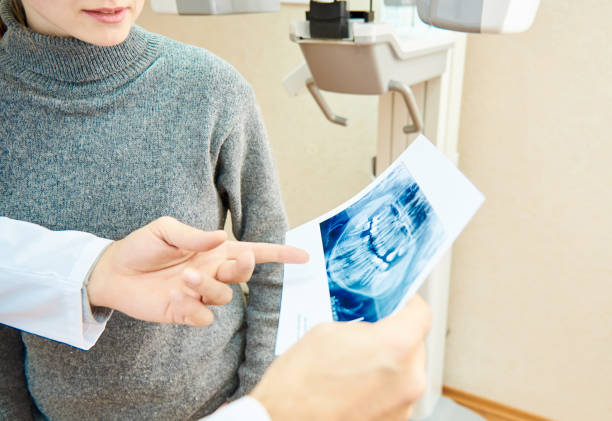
(530, 314)
(530, 322)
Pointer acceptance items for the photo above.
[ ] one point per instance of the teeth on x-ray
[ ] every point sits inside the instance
(370, 245)
(374, 246)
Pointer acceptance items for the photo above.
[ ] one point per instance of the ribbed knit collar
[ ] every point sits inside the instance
(66, 59)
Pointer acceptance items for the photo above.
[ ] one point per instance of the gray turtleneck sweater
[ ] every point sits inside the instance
(104, 140)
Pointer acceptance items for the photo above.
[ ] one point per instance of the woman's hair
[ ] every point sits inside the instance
(18, 12)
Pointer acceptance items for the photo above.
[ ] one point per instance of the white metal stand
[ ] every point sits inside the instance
(439, 100)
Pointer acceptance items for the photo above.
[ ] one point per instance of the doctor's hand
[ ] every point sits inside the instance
(351, 371)
(170, 272)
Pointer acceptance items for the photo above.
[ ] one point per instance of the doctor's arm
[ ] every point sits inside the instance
(41, 282)
(158, 273)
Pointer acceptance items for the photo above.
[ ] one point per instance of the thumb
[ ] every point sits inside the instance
(182, 236)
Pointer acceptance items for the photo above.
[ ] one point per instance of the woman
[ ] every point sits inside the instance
(105, 128)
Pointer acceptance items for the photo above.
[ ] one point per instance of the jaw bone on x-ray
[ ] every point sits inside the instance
(375, 248)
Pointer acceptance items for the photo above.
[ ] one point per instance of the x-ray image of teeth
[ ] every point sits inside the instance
(375, 248)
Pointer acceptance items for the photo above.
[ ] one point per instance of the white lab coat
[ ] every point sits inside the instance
(42, 276)
(42, 291)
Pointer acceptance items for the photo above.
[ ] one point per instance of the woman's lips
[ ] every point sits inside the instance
(115, 15)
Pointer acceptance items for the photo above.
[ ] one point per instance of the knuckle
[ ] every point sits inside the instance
(220, 295)
(239, 277)
(173, 312)
(177, 317)
(400, 348)
(164, 220)
(226, 295)
(406, 346)
(389, 372)
(208, 318)
(323, 329)
(227, 272)
(247, 256)
(420, 385)
(415, 387)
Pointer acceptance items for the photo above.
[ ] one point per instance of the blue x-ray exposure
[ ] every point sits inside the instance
(375, 248)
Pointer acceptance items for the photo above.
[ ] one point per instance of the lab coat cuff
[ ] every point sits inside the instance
(94, 318)
(245, 408)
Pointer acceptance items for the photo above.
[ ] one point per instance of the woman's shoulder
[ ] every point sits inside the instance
(199, 68)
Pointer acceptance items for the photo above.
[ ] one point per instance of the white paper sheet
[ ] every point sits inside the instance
(371, 254)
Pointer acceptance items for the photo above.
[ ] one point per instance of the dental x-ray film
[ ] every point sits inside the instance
(376, 247)
(372, 253)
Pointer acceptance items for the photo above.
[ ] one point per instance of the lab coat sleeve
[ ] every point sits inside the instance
(247, 181)
(42, 282)
(246, 408)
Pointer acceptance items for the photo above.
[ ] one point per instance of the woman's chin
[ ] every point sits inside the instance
(104, 38)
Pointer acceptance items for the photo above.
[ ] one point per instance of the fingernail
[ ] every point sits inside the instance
(192, 277)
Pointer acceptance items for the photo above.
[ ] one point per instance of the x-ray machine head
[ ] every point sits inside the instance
(479, 16)
(487, 16)
(357, 52)
(352, 52)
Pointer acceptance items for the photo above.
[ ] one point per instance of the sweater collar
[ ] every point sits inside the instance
(67, 59)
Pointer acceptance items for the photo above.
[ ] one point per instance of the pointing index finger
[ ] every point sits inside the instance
(268, 252)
